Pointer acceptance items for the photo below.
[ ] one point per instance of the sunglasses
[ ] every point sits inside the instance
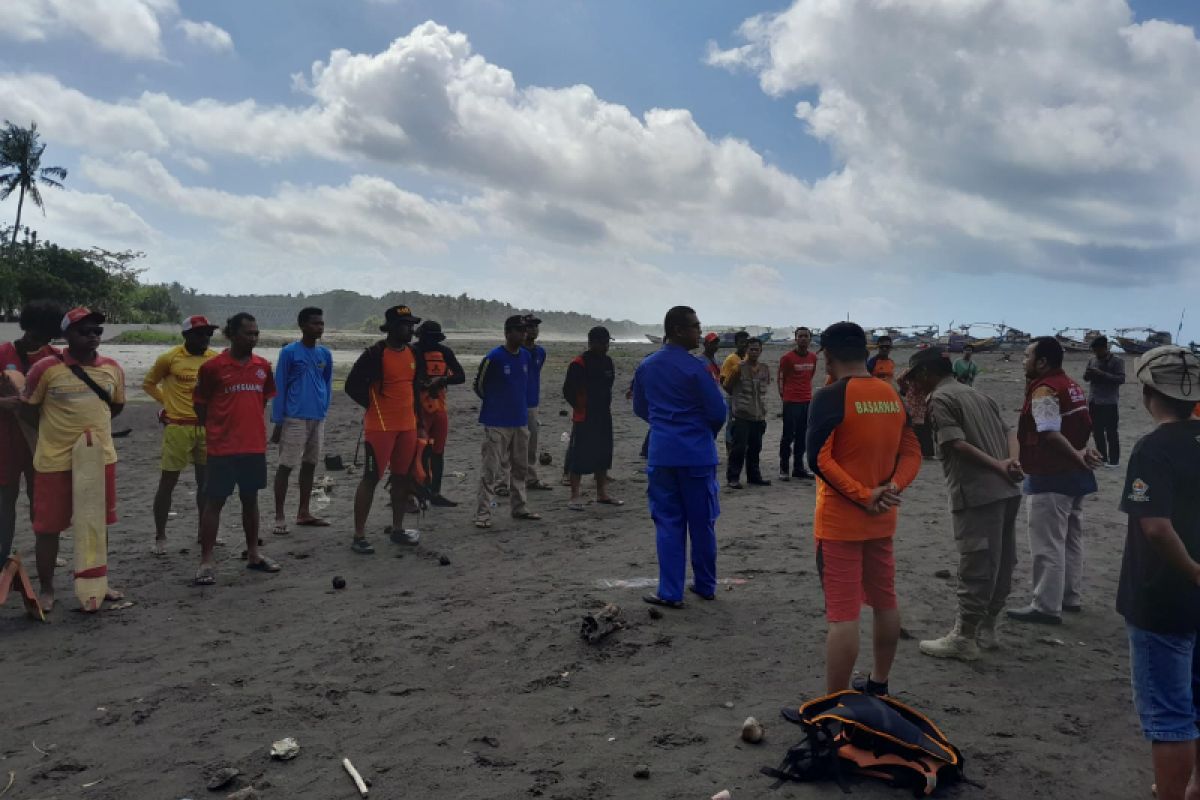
(94, 330)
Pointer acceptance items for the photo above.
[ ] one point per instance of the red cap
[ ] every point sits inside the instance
(711, 337)
(79, 314)
(196, 322)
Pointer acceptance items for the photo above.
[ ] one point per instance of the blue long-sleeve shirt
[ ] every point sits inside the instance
(503, 383)
(675, 393)
(304, 376)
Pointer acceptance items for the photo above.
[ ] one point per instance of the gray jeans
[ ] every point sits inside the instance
(986, 539)
(1056, 544)
(535, 426)
(499, 443)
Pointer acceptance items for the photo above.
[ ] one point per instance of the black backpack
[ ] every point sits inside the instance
(851, 733)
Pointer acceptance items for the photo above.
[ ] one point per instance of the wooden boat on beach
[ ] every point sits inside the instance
(1135, 346)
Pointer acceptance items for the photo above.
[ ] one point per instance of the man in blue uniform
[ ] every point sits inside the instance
(674, 392)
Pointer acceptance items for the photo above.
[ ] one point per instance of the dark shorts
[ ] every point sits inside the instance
(247, 473)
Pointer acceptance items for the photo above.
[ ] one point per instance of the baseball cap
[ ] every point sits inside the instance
(599, 334)
(81, 314)
(843, 335)
(1172, 370)
(712, 337)
(517, 322)
(198, 322)
(530, 319)
(398, 314)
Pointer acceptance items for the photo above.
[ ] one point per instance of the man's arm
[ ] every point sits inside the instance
(455, 374)
(572, 382)
(1047, 417)
(328, 376)
(480, 385)
(640, 406)
(824, 415)
(783, 377)
(715, 409)
(201, 394)
(909, 463)
(151, 383)
(1161, 533)
(283, 370)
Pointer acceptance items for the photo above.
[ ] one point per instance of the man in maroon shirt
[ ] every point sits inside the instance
(796, 370)
(231, 395)
(40, 321)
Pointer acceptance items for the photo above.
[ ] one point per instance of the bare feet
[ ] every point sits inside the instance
(160, 547)
(113, 595)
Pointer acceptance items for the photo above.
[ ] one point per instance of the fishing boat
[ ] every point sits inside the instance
(1074, 344)
(1007, 338)
(955, 339)
(727, 335)
(1135, 346)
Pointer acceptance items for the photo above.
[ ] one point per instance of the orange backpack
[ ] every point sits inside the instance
(851, 733)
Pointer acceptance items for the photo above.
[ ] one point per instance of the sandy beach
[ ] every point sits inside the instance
(454, 669)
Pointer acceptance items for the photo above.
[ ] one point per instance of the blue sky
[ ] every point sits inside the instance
(777, 163)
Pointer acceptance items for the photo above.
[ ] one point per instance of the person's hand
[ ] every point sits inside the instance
(883, 498)
(1012, 468)
(276, 434)
(10, 403)
(1091, 457)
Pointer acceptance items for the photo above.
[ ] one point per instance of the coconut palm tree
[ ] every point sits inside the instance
(21, 158)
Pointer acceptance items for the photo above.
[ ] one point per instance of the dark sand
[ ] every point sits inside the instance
(469, 680)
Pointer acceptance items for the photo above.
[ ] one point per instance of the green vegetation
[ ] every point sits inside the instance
(21, 163)
(146, 336)
(100, 279)
(348, 310)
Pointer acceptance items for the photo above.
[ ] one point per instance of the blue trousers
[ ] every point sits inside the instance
(683, 504)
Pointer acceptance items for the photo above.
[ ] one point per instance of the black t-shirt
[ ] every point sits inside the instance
(1163, 481)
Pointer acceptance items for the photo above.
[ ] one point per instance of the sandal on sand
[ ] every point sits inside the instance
(698, 593)
(575, 506)
(502, 491)
(313, 522)
(541, 486)
(159, 548)
(362, 547)
(281, 529)
(655, 600)
(528, 515)
(610, 501)
(483, 523)
(205, 576)
(263, 564)
(113, 595)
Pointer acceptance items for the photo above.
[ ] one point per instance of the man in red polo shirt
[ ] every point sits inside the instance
(230, 399)
(796, 370)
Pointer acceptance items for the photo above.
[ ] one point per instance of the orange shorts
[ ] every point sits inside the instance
(394, 450)
(52, 500)
(853, 573)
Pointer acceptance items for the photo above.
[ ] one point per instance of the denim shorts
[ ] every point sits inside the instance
(1166, 684)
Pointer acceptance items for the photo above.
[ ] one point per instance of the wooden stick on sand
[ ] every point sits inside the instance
(358, 781)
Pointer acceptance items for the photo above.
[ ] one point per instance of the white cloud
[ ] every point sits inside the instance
(999, 134)
(367, 213)
(130, 28)
(207, 35)
(83, 219)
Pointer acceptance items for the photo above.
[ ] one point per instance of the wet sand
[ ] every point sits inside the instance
(469, 680)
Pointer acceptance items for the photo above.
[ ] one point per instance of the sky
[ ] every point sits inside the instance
(890, 161)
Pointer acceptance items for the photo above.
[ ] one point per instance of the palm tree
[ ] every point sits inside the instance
(21, 154)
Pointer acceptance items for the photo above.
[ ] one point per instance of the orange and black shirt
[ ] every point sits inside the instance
(859, 438)
(439, 362)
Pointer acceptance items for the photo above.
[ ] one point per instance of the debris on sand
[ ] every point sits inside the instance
(642, 772)
(599, 624)
(752, 731)
(222, 778)
(285, 749)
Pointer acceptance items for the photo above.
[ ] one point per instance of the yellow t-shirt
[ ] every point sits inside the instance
(69, 407)
(730, 365)
(172, 379)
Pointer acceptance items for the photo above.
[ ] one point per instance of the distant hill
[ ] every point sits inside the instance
(347, 310)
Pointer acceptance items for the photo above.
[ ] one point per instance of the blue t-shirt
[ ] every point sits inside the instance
(505, 385)
(304, 377)
(538, 355)
(675, 393)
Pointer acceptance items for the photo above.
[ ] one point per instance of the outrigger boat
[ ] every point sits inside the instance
(1007, 338)
(1136, 347)
(727, 335)
(1073, 344)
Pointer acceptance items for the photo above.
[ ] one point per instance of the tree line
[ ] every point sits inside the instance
(349, 310)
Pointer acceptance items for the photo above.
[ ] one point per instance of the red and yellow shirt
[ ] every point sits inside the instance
(69, 407)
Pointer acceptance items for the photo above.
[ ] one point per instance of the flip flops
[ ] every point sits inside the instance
(483, 523)
(610, 501)
(540, 486)
(205, 576)
(528, 515)
(263, 564)
(575, 506)
(281, 529)
(698, 593)
(655, 600)
(362, 547)
(313, 522)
